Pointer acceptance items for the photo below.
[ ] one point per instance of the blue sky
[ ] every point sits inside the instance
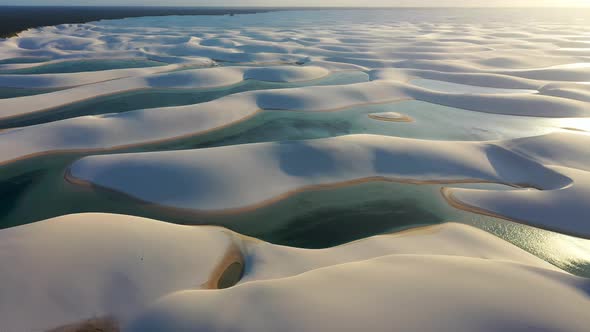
(275, 3)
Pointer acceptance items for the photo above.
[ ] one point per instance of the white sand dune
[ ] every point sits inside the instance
(456, 88)
(571, 91)
(385, 293)
(54, 262)
(153, 125)
(213, 179)
(76, 79)
(523, 104)
(144, 275)
(437, 55)
(206, 77)
(573, 74)
(562, 209)
(491, 80)
(187, 79)
(78, 267)
(563, 149)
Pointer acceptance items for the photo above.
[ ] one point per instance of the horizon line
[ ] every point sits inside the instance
(303, 7)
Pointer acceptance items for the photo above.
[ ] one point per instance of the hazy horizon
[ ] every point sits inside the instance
(312, 3)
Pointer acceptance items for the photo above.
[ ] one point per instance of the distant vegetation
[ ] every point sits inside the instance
(14, 19)
(8, 34)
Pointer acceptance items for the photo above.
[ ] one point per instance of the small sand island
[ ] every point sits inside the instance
(390, 116)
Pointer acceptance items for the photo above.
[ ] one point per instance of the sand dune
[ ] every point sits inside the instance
(125, 129)
(147, 259)
(255, 94)
(279, 168)
(561, 209)
(213, 179)
(76, 79)
(187, 79)
(352, 297)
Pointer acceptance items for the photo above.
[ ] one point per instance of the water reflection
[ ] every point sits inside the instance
(566, 252)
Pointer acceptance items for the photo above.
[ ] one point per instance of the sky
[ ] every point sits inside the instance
(292, 3)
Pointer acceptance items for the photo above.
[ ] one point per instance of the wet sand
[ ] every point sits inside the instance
(183, 212)
(452, 201)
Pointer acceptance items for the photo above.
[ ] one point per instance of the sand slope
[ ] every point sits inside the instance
(213, 179)
(378, 294)
(63, 272)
